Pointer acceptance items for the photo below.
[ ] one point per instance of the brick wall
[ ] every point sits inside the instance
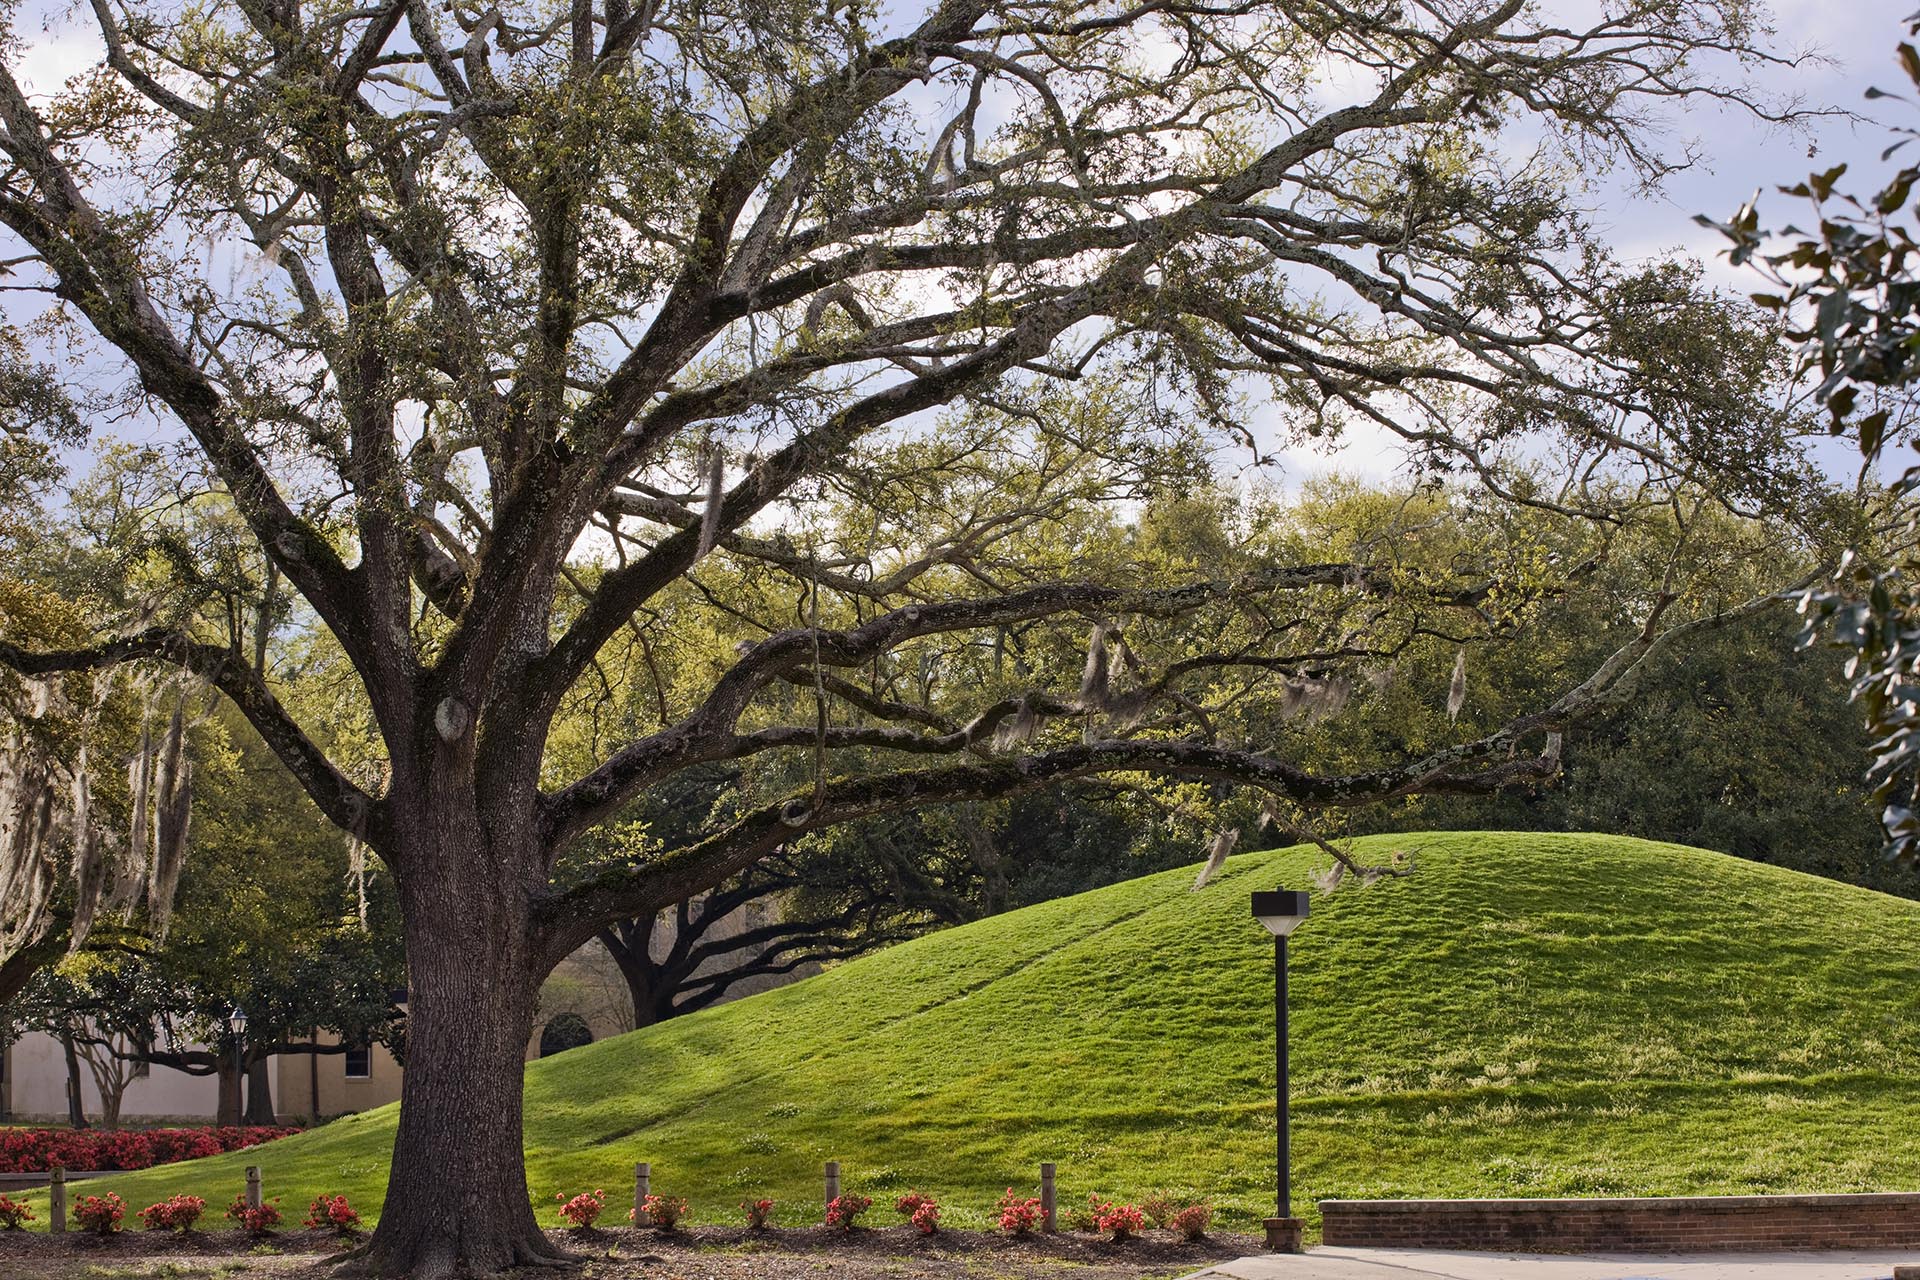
(1652, 1224)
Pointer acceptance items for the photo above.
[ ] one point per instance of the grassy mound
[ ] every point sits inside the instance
(1531, 1015)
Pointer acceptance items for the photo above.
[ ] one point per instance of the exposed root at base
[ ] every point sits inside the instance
(524, 1256)
(439, 1260)
(354, 1254)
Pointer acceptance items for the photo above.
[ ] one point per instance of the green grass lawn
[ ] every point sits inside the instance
(1531, 1015)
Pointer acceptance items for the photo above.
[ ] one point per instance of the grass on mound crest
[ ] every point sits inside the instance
(1522, 1015)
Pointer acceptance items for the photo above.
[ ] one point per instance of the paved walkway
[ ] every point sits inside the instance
(1409, 1264)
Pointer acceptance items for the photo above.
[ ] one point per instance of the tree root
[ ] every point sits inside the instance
(356, 1254)
(440, 1261)
(525, 1256)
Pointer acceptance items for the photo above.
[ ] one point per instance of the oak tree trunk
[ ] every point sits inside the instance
(76, 1111)
(259, 1093)
(457, 1200)
(226, 1107)
(652, 999)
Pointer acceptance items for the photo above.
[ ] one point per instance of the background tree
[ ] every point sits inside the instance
(96, 774)
(1741, 742)
(804, 904)
(266, 919)
(699, 284)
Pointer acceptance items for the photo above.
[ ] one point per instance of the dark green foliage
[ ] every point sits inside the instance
(1745, 745)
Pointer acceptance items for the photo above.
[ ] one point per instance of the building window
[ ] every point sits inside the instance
(359, 1062)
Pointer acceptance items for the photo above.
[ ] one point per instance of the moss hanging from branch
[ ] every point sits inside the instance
(51, 828)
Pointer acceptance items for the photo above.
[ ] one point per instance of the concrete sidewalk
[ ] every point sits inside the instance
(1411, 1264)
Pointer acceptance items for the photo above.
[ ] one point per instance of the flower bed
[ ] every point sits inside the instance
(95, 1150)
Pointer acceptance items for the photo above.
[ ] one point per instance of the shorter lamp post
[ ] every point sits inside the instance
(1281, 911)
(237, 1023)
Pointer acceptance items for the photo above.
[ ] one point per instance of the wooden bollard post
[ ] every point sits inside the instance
(642, 1184)
(253, 1186)
(833, 1181)
(1047, 1222)
(57, 1201)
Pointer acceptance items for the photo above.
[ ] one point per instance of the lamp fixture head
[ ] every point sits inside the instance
(1280, 910)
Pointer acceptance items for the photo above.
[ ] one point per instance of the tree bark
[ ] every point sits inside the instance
(650, 991)
(457, 1200)
(111, 1075)
(259, 1093)
(76, 1112)
(649, 1005)
(18, 969)
(226, 1107)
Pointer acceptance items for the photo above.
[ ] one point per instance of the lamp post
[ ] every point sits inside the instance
(1281, 911)
(237, 1023)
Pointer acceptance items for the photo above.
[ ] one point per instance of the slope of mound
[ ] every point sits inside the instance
(1523, 1014)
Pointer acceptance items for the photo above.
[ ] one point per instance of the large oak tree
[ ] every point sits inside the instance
(523, 335)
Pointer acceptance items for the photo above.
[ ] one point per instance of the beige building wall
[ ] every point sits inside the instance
(317, 1086)
(35, 1089)
(306, 1087)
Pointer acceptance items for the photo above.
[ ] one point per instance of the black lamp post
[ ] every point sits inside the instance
(237, 1023)
(1281, 911)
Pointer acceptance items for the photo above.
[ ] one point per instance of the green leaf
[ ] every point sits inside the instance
(1822, 183)
(1873, 429)
(1896, 194)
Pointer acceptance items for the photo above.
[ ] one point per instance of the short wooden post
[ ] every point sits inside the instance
(57, 1201)
(642, 1184)
(1047, 1222)
(253, 1186)
(833, 1181)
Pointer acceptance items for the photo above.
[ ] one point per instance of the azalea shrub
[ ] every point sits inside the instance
(923, 1211)
(664, 1211)
(331, 1211)
(1192, 1221)
(1159, 1208)
(844, 1210)
(14, 1214)
(584, 1209)
(1087, 1219)
(1019, 1215)
(759, 1213)
(100, 1214)
(175, 1213)
(1122, 1220)
(89, 1150)
(257, 1220)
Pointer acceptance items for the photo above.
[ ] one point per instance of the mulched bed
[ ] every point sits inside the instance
(699, 1253)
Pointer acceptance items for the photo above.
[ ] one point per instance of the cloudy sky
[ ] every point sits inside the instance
(1850, 44)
